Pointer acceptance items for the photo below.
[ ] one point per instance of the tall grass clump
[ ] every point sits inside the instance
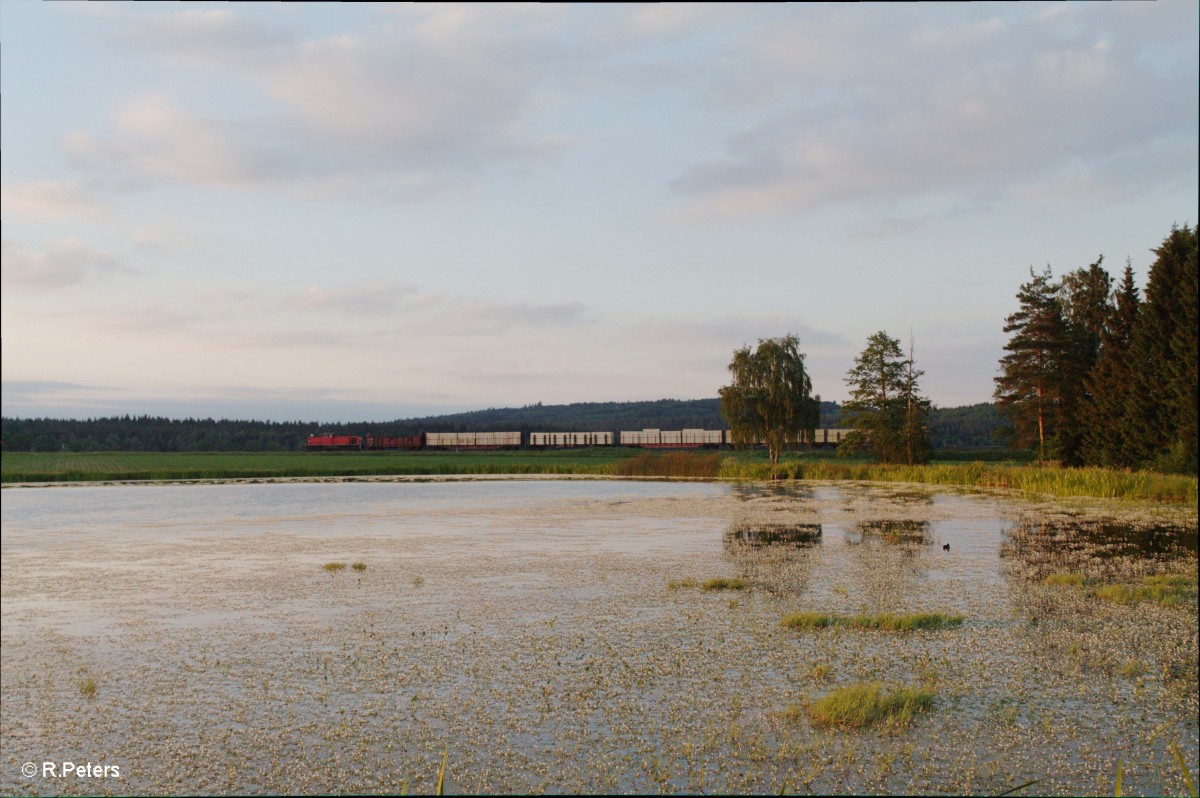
(1042, 479)
(887, 622)
(724, 583)
(672, 464)
(1166, 590)
(864, 704)
(87, 687)
(334, 566)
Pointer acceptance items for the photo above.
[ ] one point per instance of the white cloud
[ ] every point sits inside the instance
(979, 108)
(66, 263)
(47, 199)
(157, 140)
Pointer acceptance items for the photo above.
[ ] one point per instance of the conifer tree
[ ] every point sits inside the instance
(876, 409)
(1084, 296)
(1164, 353)
(1110, 384)
(916, 435)
(1029, 388)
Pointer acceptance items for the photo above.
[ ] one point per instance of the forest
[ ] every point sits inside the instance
(971, 427)
(1100, 375)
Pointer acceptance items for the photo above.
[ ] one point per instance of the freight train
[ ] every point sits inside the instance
(643, 439)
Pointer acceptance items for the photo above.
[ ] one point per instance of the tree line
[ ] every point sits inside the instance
(959, 428)
(1096, 374)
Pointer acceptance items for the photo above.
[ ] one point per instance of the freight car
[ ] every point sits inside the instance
(327, 443)
(457, 441)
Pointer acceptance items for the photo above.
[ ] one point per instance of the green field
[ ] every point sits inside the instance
(112, 466)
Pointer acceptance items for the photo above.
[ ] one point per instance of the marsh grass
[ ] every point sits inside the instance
(334, 566)
(861, 705)
(359, 566)
(1054, 481)
(886, 622)
(725, 583)
(87, 687)
(672, 464)
(1163, 589)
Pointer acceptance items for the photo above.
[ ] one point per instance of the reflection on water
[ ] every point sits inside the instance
(895, 531)
(773, 535)
(1044, 545)
(751, 491)
(528, 631)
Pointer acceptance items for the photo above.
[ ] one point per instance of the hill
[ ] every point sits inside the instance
(963, 427)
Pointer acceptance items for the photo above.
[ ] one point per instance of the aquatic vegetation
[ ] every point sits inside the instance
(87, 687)
(725, 583)
(359, 566)
(418, 580)
(861, 705)
(1064, 579)
(887, 622)
(673, 464)
(1166, 590)
(334, 566)
(1052, 481)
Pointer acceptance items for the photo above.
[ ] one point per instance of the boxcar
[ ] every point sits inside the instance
(472, 440)
(568, 439)
(331, 442)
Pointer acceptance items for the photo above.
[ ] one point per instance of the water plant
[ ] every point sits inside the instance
(725, 583)
(359, 566)
(334, 566)
(861, 705)
(87, 687)
(887, 622)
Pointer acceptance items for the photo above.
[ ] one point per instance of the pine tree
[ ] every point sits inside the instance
(1029, 389)
(1164, 349)
(1084, 297)
(1110, 384)
(876, 409)
(916, 435)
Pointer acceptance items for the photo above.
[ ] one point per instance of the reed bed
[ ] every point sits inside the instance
(1095, 482)
(887, 622)
(861, 705)
(672, 464)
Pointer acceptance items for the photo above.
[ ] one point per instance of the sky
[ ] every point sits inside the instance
(358, 212)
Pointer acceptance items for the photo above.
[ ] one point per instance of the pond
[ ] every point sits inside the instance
(555, 636)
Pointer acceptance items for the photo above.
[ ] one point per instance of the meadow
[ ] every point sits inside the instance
(26, 467)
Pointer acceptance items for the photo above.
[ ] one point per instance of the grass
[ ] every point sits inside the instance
(724, 583)
(1164, 589)
(1095, 482)
(87, 687)
(334, 566)
(620, 461)
(359, 566)
(862, 705)
(887, 622)
(670, 464)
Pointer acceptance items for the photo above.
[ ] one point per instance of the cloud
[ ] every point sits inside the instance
(48, 199)
(365, 296)
(417, 106)
(156, 141)
(161, 238)
(215, 38)
(66, 263)
(976, 109)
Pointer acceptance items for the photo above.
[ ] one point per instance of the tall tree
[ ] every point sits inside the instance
(916, 435)
(1086, 307)
(1108, 438)
(877, 409)
(1164, 351)
(1029, 388)
(770, 399)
